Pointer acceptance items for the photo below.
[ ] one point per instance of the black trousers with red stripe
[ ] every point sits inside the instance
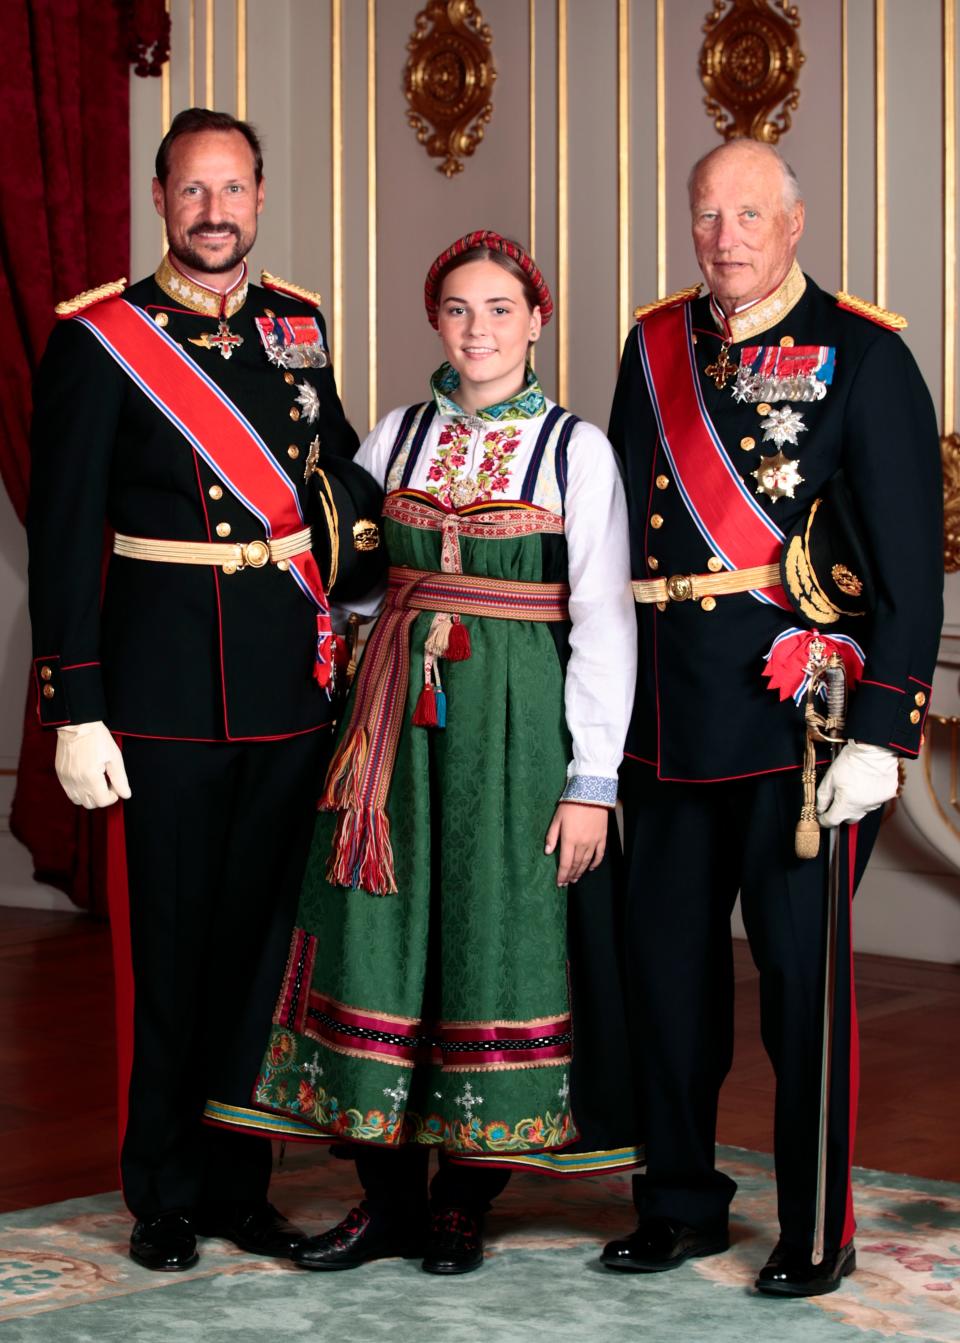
(690, 848)
(217, 836)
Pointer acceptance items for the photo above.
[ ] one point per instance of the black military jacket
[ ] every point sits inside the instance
(179, 651)
(703, 710)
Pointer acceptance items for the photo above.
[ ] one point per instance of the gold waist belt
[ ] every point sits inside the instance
(231, 555)
(692, 587)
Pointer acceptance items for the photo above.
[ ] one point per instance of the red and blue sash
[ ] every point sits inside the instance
(220, 433)
(727, 515)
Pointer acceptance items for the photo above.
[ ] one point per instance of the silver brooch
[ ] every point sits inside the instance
(308, 399)
(782, 426)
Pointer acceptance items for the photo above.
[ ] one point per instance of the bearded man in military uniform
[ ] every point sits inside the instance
(193, 417)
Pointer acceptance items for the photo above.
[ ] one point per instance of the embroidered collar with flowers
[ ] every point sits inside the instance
(197, 297)
(450, 479)
(523, 405)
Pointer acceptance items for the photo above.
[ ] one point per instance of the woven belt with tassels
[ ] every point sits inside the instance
(358, 782)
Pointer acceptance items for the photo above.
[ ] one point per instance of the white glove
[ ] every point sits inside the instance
(861, 779)
(89, 765)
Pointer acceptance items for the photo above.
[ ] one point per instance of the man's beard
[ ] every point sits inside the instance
(189, 256)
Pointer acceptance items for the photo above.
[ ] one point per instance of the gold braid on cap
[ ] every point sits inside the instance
(71, 306)
(882, 316)
(288, 287)
(681, 296)
(333, 524)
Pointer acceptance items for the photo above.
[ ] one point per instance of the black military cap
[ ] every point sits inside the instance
(824, 566)
(345, 508)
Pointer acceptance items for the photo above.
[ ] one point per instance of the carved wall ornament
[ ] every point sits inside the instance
(950, 456)
(449, 80)
(749, 64)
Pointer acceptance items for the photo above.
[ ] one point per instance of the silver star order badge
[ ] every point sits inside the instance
(308, 399)
(276, 354)
(782, 426)
(743, 388)
(777, 477)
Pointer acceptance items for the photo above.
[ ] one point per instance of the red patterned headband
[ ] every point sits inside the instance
(493, 242)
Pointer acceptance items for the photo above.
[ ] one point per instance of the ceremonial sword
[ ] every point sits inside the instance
(835, 680)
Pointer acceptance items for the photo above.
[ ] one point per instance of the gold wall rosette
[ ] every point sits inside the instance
(749, 65)
(449, 79)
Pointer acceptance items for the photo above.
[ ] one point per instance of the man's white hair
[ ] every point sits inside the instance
(792, 194)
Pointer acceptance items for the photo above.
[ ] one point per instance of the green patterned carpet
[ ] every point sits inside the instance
(65, 1275)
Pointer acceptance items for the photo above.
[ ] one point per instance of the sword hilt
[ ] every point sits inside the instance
(836, 682)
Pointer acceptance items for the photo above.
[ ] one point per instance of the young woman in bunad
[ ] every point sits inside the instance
(453, 982)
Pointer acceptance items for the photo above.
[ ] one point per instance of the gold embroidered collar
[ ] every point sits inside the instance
(197, 297)
(766, 312)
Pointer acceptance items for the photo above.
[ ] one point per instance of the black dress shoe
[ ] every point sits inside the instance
(659, 1243)
(355, 1240)
(167, 1244)
(790, 1272)
(257, 1228)
(455, 1243)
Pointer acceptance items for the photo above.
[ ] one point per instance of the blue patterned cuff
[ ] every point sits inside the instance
(591, 788)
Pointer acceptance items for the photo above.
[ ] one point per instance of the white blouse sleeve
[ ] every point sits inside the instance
(602, 668)
(373, 455)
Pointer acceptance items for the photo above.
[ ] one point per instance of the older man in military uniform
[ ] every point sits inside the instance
(735, 416)
(197, 417)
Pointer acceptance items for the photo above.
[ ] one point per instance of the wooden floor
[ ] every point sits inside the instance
(58, 1113)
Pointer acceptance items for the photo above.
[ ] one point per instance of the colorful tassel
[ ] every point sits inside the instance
(458, 642)
(448, 638)
(438, 636)
(425, 713)
(361, 857)
(431, 707)
(340, 788)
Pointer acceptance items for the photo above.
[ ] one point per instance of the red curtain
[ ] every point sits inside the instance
(64, 226)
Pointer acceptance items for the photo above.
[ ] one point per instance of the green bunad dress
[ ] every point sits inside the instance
(440, 988)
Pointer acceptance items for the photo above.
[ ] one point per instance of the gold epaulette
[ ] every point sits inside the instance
(891, 320)
(71, 306)
(681, 296)
(287, 287)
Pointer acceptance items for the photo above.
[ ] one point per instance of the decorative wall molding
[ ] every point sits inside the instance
(950, 457)
(449, 80)
(749, 64)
